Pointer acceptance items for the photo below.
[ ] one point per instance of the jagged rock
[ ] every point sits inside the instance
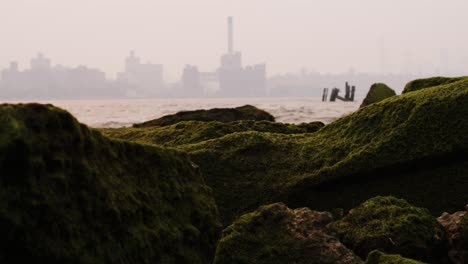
(377, 93)
(190, 132)
(429, 82)
(394, 226)
(70, 195)
(246, 112)
(276, 234)
(458, 242)
(377, 257)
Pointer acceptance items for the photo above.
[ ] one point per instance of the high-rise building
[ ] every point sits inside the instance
(234, 79)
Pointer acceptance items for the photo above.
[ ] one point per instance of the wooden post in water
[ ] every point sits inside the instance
(349, 94)
(334, 94)
(325, 95)
(347, 91)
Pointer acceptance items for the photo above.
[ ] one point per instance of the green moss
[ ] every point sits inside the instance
(377, 257)
(403, 144)
(246, 112)
(411, 146)
(189, 132)
(70, 195)
(429, 82)
(392, 225)
(276, 234)
(377, 93)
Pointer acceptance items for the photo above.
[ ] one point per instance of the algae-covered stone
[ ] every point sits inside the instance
(246, 112)
(276, 234)
(70, 195)
(377, 257)
(429, 82)
(413, 146)
(392, 225)
(189, 132)
(377, 93)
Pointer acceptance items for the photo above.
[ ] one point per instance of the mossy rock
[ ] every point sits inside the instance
(276, 234)
(377, 93)
(189, 132)
(429, 82)
(246, 112)
(70, 195)
(392, 225)
(377, 257)
(412, 146)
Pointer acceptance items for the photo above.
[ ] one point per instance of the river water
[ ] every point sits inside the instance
(119, 113)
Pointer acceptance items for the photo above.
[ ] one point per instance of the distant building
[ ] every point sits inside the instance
(40, 63)
(42, 81)
(234, 80)
(191, 82)
(141, 79)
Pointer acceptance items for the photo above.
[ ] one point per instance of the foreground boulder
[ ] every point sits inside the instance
(377, 93)
(420, 84)
(394, 226)
(190, 132)
(70, 195)
(276, 234)
(246, 112)
(377, 257)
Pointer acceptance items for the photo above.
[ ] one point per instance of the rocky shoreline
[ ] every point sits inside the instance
(162, 191)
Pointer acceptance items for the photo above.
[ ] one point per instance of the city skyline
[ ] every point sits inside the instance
(322, 36)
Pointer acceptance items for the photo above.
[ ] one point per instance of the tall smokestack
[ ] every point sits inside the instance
(230, 36)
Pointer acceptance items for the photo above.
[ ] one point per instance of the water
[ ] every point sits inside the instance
(120, 113)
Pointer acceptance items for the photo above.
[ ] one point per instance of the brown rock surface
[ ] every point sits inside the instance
(458, 249)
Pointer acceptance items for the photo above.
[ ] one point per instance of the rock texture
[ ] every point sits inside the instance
(394, 226)
(420, 84)
(377, 257)
(70, 195)
(458, 242)
(276, 234)
(377, 93)
(191, 132)
(246, 112)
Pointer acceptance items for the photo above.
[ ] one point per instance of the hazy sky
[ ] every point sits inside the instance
(321, 35)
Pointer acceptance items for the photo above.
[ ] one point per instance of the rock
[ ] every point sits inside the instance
(412, 146)
(276, 234)
(377, 257)
(70, 195)
(394, 226)
(377, 93)
(246, 112)
(457, 235)
(190, 132)
(429, 82)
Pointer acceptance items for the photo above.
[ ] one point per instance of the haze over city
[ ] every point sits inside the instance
(324, 36)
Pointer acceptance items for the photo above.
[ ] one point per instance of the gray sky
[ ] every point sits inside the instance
(321, 35)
